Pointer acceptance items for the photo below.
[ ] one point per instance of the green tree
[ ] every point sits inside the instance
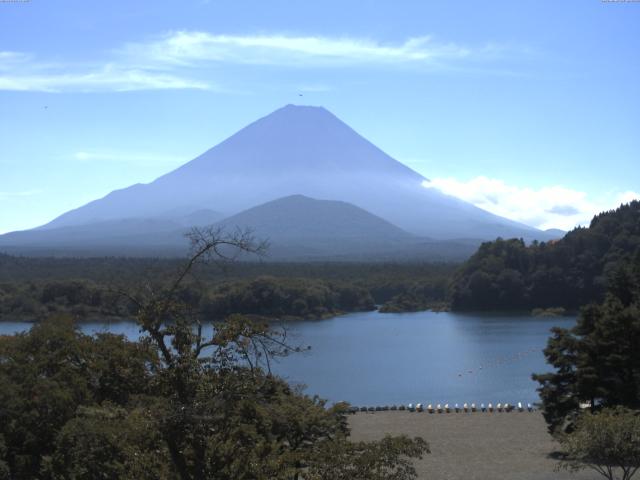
(226, 416)
(598, 361)
(607, 442)
(178, 404)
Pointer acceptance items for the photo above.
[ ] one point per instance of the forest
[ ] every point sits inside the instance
(568, 273)
(34, 288)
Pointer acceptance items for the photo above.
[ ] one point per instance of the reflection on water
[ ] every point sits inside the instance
(374, 359)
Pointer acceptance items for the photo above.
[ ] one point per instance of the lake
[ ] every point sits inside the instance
(374, 359)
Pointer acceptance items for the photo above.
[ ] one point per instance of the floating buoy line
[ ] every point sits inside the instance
(447, 408)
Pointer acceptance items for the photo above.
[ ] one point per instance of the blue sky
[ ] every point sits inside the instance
(530, 109)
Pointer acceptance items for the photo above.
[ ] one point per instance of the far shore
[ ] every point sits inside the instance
(473, 446)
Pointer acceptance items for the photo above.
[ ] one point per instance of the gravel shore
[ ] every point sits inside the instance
(491, 446)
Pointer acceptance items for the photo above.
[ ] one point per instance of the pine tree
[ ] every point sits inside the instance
(598, 361)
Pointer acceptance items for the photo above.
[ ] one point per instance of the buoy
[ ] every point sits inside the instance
(473, 407)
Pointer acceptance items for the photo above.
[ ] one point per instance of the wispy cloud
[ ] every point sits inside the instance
(546, 207)
(318, 88)
(137, 158)
(22, 72)
(192, 48)
(22, 193)
(184, 60)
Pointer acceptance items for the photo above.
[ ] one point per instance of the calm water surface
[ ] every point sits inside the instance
(374, 359)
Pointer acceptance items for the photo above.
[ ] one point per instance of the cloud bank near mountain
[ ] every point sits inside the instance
(546, 207)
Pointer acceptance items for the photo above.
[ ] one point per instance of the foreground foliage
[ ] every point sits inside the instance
(607, 442)
(176, 404)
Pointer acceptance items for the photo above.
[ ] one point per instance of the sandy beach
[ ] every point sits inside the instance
(491, 446)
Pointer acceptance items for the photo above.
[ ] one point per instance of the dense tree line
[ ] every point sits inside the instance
(383, 279)
(175, 405)
(34, 288)
(264, 296)
(569, 273)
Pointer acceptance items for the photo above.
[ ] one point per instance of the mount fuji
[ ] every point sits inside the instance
(297, 152)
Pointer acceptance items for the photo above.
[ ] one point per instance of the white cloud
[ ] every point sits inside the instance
(546, 207)
(183, 60)
(110, 77)
(127, 157)
(190, 48)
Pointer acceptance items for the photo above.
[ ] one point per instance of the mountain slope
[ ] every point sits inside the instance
(301, 150)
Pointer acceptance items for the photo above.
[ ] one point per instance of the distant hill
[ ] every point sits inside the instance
(297, 218)
(127, 236)
(569, 273)
(296, 227)
(301, 228)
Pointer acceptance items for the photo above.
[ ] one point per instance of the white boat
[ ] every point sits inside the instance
(456, 407)
(499, 407)
(419, 407)
(439, 408)
(473, 407)
(482, 407)
(529, 407)
(490, 407)
(410, 407)
(520, 406)
(446, 408)
(466, 407)
(430, 408)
